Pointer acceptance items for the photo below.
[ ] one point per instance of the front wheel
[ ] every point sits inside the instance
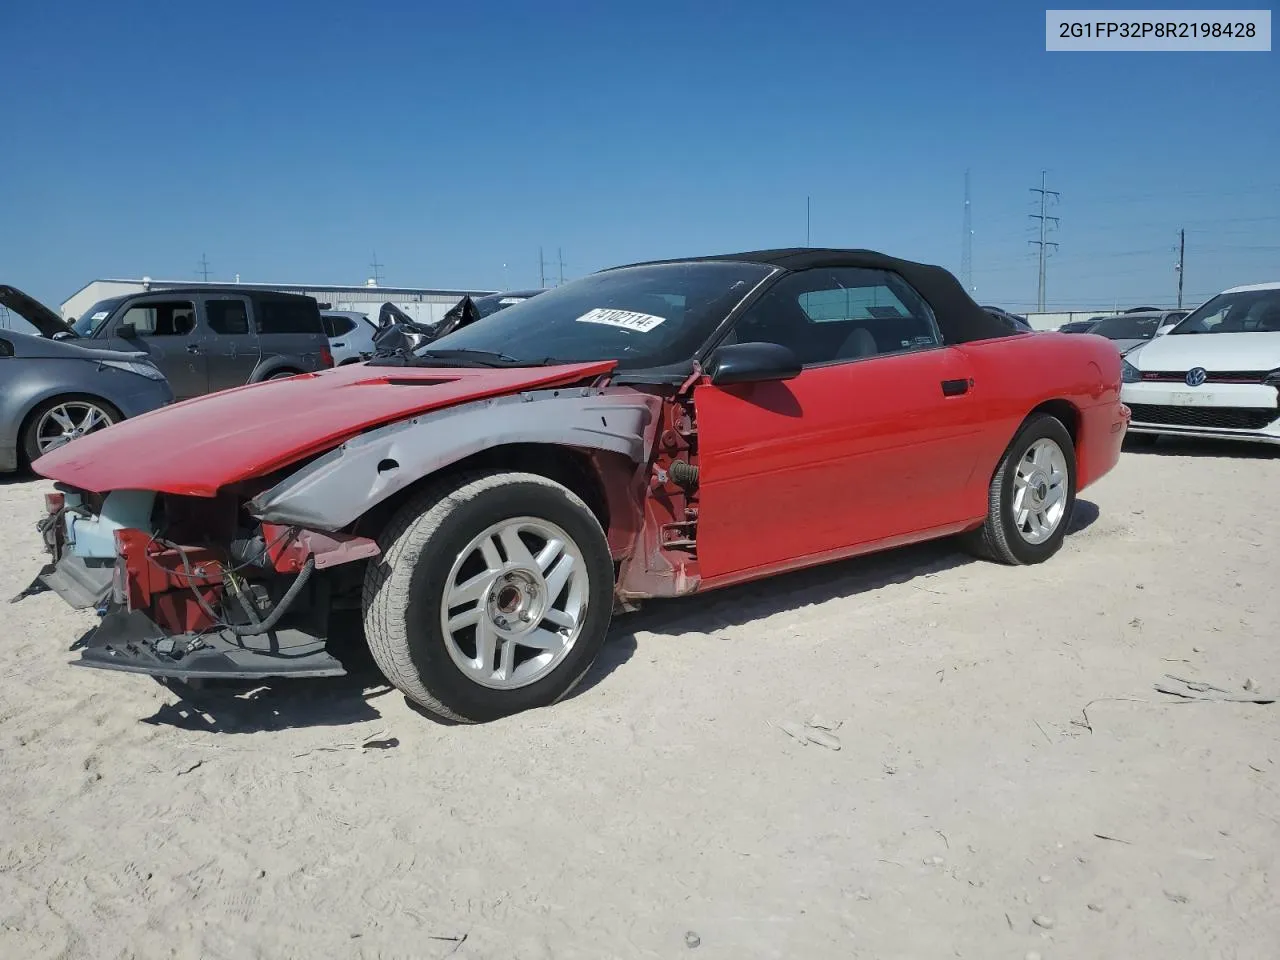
(1031, 496)
(493, 595)
(59, 421)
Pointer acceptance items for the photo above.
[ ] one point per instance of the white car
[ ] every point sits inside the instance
(1216, 374)
(350, 335)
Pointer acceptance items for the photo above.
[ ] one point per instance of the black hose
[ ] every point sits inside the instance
(280, 609)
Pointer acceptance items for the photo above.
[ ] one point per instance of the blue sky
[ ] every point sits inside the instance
(288, 141)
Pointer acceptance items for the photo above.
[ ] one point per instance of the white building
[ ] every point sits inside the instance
(428, 306)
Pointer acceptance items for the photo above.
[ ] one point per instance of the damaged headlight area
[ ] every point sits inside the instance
(194, 587)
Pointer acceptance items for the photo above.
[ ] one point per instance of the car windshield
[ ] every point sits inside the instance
(92, 318)
(1249, 311)
(498, 301)
(643, 316)
(1127, 327)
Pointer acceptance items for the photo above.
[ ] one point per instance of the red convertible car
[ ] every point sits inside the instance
(653, 430)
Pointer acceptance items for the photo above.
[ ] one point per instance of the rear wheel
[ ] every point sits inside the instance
(59, 421)
(493, 595)
(1031, 497)
(283, 374)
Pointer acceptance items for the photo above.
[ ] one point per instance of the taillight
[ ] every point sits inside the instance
(326, 357)
(54, 502)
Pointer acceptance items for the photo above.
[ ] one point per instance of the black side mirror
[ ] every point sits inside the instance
(127, 330)
(752, 362)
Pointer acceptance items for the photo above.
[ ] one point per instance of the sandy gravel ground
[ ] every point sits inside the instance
(665, 811)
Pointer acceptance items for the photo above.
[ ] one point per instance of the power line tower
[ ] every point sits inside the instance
(1044, 219)
(377, 269)
(203, 269)
(542, 271)
(1182, 262)
(560, 255)
(966, 250)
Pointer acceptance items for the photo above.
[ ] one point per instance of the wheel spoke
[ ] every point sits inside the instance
(558, 576)
(471, 590)
(547, 555)
(1056, 496)
(93, 419)
(517, 553)
(489, 550)
(465, 618)
(542, 640)
(560, 618)
(60, 416)
(1041, 455)
(508, 664)
(486, 646)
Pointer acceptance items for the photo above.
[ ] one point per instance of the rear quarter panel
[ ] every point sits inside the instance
(1014, 375)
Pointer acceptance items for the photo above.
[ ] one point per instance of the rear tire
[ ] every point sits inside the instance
(493, 595)
(284, 374)
(1031, 497)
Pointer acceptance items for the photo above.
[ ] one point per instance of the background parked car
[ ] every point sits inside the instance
(497, 301)
(210, 338)
(1129, 330)
(350, 335)
(1080, 326)
(1215, 374)
(1015, 323)
(54, 391)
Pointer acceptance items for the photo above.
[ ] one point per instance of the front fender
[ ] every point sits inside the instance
(334, 490)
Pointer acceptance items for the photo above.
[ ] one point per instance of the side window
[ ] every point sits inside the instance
(171, 318)
(288, 316)
(230, 318)
(6, 348)
(834, 314)
(338, 326)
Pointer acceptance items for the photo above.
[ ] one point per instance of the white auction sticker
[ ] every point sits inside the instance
(508, 301)
(101, 314)
(1158, 30)
(626, 319)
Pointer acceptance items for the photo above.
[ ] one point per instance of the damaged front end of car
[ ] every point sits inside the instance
(195, 587)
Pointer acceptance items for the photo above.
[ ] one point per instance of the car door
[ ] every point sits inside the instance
(871, 443)
(168, 329)
(233, 344)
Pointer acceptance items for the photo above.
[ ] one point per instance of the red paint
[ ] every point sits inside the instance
(197, 446)
(857, 457)
(161, 581)
(288, 554)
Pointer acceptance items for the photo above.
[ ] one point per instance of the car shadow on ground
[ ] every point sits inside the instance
(243, 707)
(1228, 449)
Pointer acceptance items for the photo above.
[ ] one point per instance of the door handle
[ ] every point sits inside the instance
(955, 388)
(193, 348)
(339, 343)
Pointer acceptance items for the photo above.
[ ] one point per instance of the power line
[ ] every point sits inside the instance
(1044, 219)
(377, 269)
(966, 250)
(1182, 260)
(203, 269)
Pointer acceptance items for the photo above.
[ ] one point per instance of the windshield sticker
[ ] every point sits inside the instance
(100, 315)
(507, 301)
(626, 319)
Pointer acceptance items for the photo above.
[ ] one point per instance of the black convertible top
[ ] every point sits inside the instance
(959, 318)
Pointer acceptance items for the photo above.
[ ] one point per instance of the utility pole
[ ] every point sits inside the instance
(560, 254)
(204, 268)
(806, 221)
(1044, 219)
(542, 271)
(966, 251)
(1182, 261)
(377, 269)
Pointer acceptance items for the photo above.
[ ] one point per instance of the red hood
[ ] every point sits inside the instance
(200, 445)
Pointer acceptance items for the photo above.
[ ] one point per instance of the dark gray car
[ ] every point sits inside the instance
(53, 391)
(211, 338)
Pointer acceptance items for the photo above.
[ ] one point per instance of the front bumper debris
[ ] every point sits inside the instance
(130, 641)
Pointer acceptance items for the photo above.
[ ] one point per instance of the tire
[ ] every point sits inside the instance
(283, 374)
(430, 545)
(1001, 538)
(75, 407)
